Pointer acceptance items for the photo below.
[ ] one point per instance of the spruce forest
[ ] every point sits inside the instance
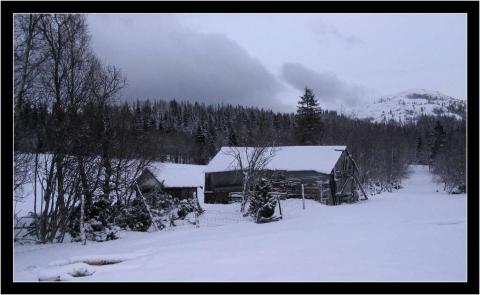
(192, 133)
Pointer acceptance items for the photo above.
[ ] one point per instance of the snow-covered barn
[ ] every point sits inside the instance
(179, 180)
(321, 170)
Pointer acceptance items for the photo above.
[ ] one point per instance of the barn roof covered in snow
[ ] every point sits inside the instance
(321, 159)
(178, 175)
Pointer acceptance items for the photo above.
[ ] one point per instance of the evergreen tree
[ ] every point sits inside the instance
(200, 135)
(200, 145)
(420, 151)
(308, 119)
(438, 140)
(232, 137)
(262, 205)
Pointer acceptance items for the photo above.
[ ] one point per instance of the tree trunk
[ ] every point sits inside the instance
(35, 185)
(244, 195)
(82, 218)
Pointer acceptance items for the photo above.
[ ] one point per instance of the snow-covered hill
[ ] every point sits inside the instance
(406, 106)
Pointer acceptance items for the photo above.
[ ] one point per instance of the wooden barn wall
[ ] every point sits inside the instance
(344, 167)
(180, 192)
(146, 181)
(219, 184)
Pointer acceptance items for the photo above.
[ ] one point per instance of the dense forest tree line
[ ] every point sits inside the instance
(85, 148)
(185, 132)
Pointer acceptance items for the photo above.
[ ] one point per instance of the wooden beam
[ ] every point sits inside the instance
(360, 185)
(345, 184)
(147, 207)
(279, 207)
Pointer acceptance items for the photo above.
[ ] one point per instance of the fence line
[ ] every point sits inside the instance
(214, 215)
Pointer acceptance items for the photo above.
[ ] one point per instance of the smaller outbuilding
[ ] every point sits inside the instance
(181, 181)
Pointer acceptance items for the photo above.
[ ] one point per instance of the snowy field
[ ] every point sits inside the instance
(413, 234)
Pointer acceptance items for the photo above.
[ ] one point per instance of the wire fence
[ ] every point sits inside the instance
(224, 214)
(214, 215)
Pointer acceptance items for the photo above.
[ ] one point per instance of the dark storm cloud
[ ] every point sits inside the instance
(164, 59)
(326, 85)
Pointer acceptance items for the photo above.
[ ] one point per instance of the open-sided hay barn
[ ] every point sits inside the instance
(178, 180)
(320, 169)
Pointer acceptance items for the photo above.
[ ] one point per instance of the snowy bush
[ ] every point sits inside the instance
(378, 187)
(459, 189)
(134, 217)
(161, 213)
(188, 206)
(262, 204)
(98, 222)
(171, 209)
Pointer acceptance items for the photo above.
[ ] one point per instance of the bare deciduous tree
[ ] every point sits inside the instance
(251, 162)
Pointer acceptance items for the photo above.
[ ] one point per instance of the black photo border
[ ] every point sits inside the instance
(471, 8)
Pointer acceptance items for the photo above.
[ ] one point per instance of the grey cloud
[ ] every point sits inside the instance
(324, 29)
(164, 59)
(327, 87)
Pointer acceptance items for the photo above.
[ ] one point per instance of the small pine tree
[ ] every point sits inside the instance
(262, 205)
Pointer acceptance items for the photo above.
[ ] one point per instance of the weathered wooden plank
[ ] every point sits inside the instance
(360, 185)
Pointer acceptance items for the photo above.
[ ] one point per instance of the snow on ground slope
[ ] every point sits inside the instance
(413, 234)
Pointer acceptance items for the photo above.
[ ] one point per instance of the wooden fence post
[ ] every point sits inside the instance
(303, 197)
(279, 207)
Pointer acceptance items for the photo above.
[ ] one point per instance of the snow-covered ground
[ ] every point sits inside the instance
(413, 234)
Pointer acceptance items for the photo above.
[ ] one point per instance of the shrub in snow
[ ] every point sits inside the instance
(162, 211)
(459, 189)
(188, 206)
(262, 204)
(135, 217)
(138, 217)
(98, 222)
(375, 188)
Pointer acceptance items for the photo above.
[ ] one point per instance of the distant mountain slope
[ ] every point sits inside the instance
(406, 106)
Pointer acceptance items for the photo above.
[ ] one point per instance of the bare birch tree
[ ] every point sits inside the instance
(251, 162)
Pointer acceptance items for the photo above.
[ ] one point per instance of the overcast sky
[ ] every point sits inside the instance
(267, 59)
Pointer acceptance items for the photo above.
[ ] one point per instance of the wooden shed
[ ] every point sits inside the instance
(178, 180)
(321, 170)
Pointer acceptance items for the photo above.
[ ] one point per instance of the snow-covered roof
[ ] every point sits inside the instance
(291, 158)
(178, 175)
